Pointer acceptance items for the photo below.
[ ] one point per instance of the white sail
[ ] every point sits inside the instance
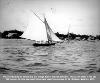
(36, 30)
(50, 34)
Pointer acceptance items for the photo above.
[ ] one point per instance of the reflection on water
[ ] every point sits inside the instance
(64, 58)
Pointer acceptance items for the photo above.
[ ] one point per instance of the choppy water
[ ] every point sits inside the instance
(20, 57)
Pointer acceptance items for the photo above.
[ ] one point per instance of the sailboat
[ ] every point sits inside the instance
(40, 31)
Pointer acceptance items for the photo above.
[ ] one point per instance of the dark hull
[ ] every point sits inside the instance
(46, 44)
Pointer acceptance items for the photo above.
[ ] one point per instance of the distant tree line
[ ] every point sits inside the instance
(11, 34)
(15, 34)
(73, 36)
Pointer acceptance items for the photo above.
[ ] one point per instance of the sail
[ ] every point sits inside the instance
(50, 34)
(39, 30)
(36, 30)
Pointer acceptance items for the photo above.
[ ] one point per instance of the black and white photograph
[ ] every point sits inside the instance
(49, 39)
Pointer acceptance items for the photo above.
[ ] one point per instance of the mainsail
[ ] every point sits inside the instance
(35, 30)
(39, 30)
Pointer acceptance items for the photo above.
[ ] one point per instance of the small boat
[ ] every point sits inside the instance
(40, 31)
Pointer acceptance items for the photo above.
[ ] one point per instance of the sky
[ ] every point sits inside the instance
(80, 16)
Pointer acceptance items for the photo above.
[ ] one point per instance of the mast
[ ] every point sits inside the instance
(68, 32)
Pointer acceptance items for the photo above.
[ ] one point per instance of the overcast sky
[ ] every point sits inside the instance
(83, 16)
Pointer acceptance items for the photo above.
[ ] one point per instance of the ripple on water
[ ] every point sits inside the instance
(36, 64)
(4, 70)
(20, 71)
(20, 59)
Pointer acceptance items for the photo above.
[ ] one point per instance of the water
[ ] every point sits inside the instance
(75, 57)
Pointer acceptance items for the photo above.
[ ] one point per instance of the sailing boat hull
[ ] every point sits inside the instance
(46, 44)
